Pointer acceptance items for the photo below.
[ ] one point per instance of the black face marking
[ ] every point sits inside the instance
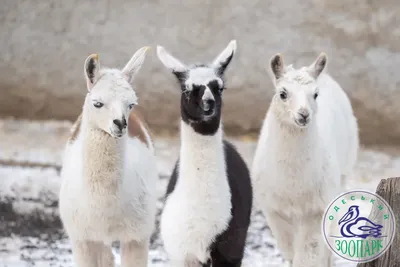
(90, 67)
(205, 122)
(214, 86)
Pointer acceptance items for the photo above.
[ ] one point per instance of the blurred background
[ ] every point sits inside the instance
(43, 46)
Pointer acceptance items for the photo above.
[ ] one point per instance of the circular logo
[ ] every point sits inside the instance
(359, 226)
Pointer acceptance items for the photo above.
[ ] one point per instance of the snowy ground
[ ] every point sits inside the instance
(30, 233)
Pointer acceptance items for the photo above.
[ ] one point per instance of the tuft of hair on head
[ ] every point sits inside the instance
(222, 61)
(316, 68)
(277, 67)
(135, 63)
(91, 70)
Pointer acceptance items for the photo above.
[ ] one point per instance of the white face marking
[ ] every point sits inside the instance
(207, 95)
(201, 76)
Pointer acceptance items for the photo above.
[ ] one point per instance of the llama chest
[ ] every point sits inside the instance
(298, 182)
(195, 213)
(110, 216)
(107, 205)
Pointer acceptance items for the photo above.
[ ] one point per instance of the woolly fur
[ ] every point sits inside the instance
(297, 169)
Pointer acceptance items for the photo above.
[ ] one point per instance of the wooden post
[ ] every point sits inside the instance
(389, 189)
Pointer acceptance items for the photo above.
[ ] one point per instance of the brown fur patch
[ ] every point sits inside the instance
(137, 127)
(75, 129)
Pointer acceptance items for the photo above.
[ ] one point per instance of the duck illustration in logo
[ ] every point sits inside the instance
(354, 226)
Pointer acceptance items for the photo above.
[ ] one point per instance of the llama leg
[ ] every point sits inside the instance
(134, 253)
(310, 249)
(106, 258)
(85, 253)
(282, 230)
(220, 261)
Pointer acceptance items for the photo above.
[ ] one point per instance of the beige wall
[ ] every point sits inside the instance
(44, 45)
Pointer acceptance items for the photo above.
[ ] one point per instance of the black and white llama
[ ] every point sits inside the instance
(209, 197)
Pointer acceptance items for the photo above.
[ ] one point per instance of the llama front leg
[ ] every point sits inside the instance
(309, 247)
(90, 254)
(282, 230)
(106, 258)
(134, 253)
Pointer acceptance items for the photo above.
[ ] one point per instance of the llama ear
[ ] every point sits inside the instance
(222, 61)
(318, 65)
(91, 70)
(170, 61)
(277, 66)
(135, 63)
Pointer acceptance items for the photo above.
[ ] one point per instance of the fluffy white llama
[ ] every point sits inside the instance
(309, 139)
(209, 196)
(108, 177)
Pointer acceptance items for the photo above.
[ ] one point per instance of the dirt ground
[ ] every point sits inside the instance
(30, 159)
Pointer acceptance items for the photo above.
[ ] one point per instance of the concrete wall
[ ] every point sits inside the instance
(44, 45)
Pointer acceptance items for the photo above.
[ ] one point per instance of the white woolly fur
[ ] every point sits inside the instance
(108, 177)
(299, 163)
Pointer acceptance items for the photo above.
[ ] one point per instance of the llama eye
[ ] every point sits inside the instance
(283, 95)
(315, 95)
(131, 106)
(98, 104)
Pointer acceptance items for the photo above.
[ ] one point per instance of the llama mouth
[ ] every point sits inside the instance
(117, 135)
(302, 123)
(208, 113)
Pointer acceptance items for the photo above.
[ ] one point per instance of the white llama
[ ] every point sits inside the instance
(309, 139)
(109, 171)
(209, 196)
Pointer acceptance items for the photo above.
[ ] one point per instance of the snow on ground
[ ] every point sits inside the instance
(30, 232)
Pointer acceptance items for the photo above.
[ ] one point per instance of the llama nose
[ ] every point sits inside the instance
(304, 114)
(121, 124)
(208, 104)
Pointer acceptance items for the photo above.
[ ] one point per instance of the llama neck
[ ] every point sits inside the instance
(102, 158)
(291, 137)
(201, 156)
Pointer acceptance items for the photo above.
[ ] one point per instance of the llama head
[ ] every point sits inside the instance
(111, 96)
(296, 90)
(201, 85)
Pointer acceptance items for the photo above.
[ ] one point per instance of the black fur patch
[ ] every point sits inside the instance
(214, 86)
